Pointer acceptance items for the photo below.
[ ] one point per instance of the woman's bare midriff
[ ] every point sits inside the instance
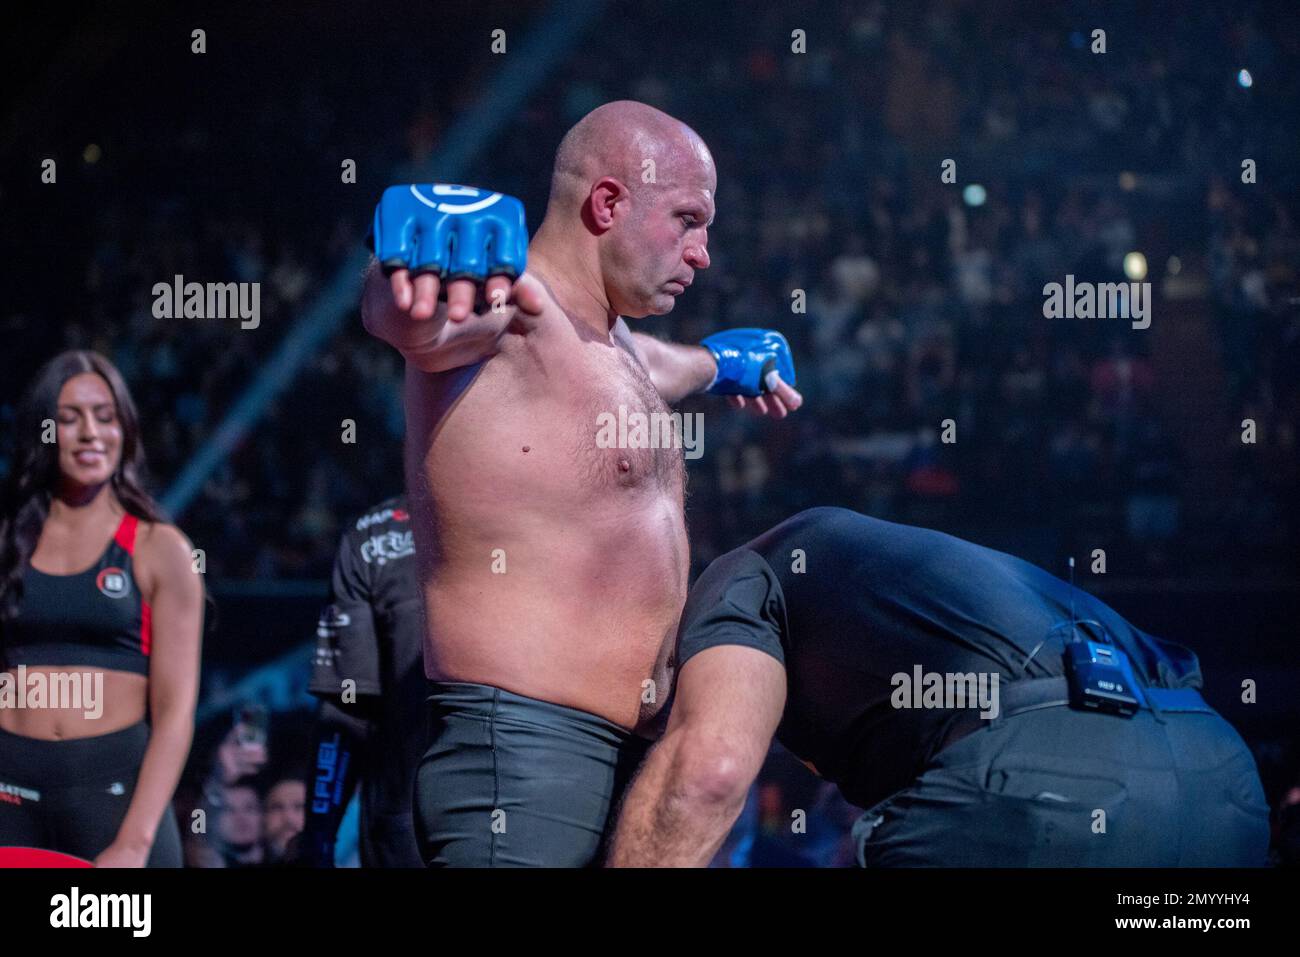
(122, 699)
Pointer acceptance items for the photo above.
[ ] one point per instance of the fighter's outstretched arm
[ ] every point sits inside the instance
(679, 370)
(676, 370)
(692, 786)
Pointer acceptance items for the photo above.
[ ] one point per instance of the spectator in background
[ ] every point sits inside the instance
(239, 757)
(239, 826)
(198, 851)
(282, 815)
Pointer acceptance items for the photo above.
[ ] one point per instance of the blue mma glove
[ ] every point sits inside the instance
(457, 232)
(745, 357)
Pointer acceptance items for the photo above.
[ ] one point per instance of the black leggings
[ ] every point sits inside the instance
(71, 796)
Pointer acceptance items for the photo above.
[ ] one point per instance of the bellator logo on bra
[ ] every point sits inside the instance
(113, 583)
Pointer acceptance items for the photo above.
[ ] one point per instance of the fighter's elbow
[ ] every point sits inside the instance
(711, 772)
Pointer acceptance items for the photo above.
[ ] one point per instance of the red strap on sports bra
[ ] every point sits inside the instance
(146, 628)
(125, 534)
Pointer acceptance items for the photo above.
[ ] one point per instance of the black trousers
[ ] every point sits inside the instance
(387, 840)
(71, 796)
(1066, 788)
(510, 781)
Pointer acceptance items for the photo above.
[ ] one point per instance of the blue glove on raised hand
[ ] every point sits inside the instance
(745, 357)
(457, 232)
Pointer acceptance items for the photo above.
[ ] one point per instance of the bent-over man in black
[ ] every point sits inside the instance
(925, 676)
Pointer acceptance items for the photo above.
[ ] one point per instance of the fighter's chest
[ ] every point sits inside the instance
(561, 426)
(624, 435)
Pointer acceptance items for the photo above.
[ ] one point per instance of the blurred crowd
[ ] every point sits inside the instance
(924, 299)
(243, 800)
(910, 302)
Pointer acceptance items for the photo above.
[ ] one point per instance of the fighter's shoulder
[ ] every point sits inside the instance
(528, 338)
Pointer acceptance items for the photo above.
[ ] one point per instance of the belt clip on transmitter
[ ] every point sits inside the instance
(1099, 674)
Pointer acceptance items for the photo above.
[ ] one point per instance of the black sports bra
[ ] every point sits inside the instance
(97, 618)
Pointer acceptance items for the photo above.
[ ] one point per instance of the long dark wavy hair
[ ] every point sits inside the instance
(35, 475)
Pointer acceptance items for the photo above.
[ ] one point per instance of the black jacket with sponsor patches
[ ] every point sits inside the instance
(370, 640)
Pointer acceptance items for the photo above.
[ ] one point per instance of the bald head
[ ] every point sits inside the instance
(616, 140)
(632, 198)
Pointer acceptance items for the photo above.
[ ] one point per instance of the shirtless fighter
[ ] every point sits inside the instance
(553, 570)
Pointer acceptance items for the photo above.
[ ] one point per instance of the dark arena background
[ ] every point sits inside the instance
(897, 183)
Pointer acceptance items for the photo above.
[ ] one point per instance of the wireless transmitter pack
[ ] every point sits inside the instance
(1100, 675)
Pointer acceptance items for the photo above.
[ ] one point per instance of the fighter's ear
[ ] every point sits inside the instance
(607, 199)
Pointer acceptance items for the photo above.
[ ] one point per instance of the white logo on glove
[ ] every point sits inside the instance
(444, 190)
